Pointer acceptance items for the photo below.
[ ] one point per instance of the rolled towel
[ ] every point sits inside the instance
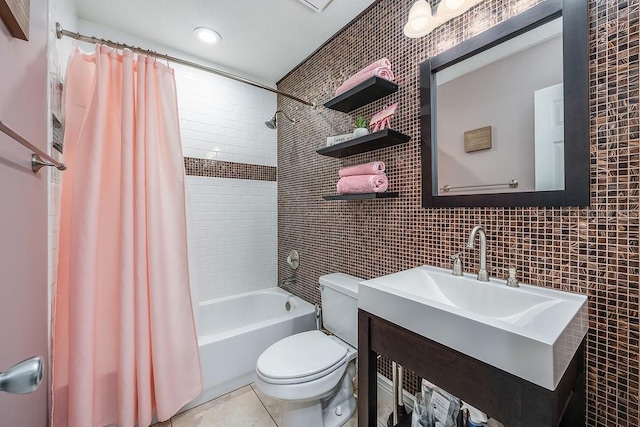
(372, 168)
(354, 81)
(380, 68)
(358, 184)
(380, 63)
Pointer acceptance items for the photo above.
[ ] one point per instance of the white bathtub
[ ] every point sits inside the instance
(234, 331)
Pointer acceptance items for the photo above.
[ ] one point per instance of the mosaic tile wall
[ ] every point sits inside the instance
(220, 169)
(592, 251)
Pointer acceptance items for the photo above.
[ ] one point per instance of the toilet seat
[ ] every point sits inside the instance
(301, 358)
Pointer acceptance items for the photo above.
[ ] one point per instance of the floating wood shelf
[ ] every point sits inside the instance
(364, 196)
(368, 91)
(373, 141)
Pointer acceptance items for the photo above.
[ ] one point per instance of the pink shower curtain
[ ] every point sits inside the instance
(124, 343)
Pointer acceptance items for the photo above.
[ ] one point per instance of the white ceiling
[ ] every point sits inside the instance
(263, 38)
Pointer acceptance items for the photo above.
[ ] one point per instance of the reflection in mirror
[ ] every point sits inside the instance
(500, 118)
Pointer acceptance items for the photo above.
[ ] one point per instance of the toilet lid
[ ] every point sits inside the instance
(301, 355)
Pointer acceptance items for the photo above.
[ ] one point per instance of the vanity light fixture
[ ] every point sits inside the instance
(207, 35)
(421, 21)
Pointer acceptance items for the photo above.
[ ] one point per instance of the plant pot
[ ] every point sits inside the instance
(358, 132)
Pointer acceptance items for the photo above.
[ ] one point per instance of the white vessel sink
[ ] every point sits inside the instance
(530, 331)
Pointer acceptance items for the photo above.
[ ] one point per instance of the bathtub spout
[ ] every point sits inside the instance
(290, 281)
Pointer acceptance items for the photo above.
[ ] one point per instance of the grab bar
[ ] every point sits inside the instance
(446, 188)
(38, 155)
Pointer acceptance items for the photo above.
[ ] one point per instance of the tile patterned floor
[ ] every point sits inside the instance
(246, 407)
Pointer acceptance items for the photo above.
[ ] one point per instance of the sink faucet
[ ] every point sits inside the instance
(482, 273)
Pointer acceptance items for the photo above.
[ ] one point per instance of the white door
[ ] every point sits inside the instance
(549, 138)
(23, 215)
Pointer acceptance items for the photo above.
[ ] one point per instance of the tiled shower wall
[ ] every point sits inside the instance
(221, 119)
(593, 251)
(234, 235)
(230, 159)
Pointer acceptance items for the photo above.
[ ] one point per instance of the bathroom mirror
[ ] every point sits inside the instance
(505, 114)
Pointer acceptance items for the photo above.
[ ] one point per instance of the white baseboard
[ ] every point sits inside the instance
(385, 393)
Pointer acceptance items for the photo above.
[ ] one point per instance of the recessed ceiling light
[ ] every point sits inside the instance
(207, 35)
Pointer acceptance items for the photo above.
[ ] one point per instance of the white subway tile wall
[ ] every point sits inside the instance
(221, 119)
(232, 233)
(233, 221)
(233, 238)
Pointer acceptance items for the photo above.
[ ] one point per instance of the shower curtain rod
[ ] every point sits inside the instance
(61, 32)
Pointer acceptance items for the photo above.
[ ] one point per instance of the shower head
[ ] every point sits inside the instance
(273, 123)
(23, 378)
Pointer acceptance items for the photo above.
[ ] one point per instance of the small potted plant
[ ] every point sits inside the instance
(361, 127)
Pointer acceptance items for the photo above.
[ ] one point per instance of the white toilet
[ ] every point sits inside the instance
(313, 372)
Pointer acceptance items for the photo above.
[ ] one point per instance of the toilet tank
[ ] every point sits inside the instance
(339, 293)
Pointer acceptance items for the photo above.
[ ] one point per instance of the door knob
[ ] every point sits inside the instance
(23, 378)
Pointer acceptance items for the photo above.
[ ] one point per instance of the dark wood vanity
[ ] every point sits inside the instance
(503, 396)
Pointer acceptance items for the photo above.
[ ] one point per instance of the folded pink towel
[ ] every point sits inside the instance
(380, 68)
(364, 169)
(358, 184)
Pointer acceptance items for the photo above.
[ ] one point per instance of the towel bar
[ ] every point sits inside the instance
(512, 184)
(38, 155)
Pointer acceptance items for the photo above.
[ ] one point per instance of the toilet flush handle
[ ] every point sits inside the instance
(318, 313)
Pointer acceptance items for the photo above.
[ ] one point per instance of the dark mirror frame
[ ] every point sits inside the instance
(575, 35)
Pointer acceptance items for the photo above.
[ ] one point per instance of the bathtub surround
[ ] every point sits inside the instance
(124, 341)
(230, 160)
(592, 251)
(234, 240)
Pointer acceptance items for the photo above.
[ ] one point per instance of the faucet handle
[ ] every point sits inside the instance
(512, 280)
(456, 264)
